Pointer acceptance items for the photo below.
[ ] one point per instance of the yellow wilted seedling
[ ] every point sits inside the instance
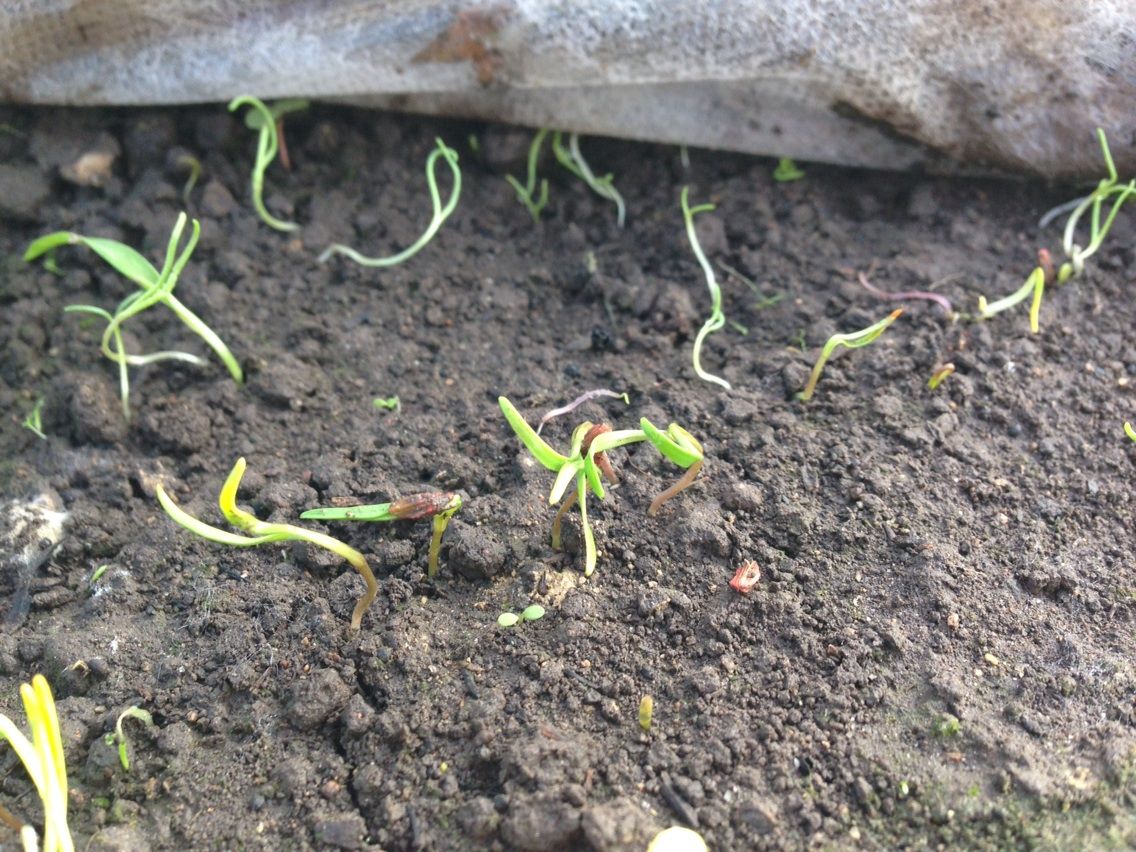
(42, 757)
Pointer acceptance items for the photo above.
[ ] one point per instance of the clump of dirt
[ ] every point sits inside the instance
(939, 649)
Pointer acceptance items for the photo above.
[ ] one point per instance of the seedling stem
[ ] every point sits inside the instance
(573, 160)
(525, 191)
(852, 340)
(263, 119)
(717, 319)
(441, 214)
(263, 532)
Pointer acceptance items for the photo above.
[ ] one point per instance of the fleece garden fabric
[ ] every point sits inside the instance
(1016, 85)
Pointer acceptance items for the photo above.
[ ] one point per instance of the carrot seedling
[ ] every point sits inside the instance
(34, 421)
(43, 760)
(263, 532)
(526, 190)
(573, 160)
(787, 171)
(157, 287)
(717, 319)
(1035, 285)
(118, 736)
(529, 613)
(587, 461)
(191, 164)
(390, 403)
(852, 340)
(438, 505)
(441, 213)
(1109, 187)
(265, 121)
(940, 375)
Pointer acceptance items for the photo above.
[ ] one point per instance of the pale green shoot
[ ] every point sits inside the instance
(1129, 431)
(43, 760)
(586, 461)
(193, 165)
(573, 160)
(1109, 186)
(264, 532)
(787, 171)
(717, 319)
(530, 613)
(438, 505)
(390, 403)
(34, 421)
(852, 340)
(118, 738)
(441, 213)
(156, 287)
(525, 191)
(263, 119)
(1035, 284)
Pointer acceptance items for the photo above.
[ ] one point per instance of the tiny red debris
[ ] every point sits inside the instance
(745, 578)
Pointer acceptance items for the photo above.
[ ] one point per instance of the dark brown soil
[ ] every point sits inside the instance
(939, 652)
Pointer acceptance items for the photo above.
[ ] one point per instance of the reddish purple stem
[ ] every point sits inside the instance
(576, 403)
(907, 295)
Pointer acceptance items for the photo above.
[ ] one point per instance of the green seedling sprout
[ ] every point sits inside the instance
(97, 575)
(940, 375)
(34, 421)
(587, 461)
(263, 532)
(264, 120)
(157, 287)
(525, 191)
(438, 505)
(646, 712)
(441, 213)
(118, 737)
(529, 613)
(1108, 187)
(787, 171)
(573, 160)
(1035, 285)
(1129, 431)
(44, 762)
(852, 340)
(717, 318)
(390, 403)
(193, 166)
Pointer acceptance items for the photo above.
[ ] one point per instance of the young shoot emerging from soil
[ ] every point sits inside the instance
(439, 505)
(266, 121)
(43, 760)
(525, 191)
(852, 340)
(441, 213)
(1108, 187)
(573, 160)
(263, 532)
(587, 461)
(157, 287)
(717, 319)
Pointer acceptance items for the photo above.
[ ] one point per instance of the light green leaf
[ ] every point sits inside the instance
(676, 444)
(373, 512)
(536, 445)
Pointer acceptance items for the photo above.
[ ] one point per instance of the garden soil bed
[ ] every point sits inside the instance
(939, 652)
